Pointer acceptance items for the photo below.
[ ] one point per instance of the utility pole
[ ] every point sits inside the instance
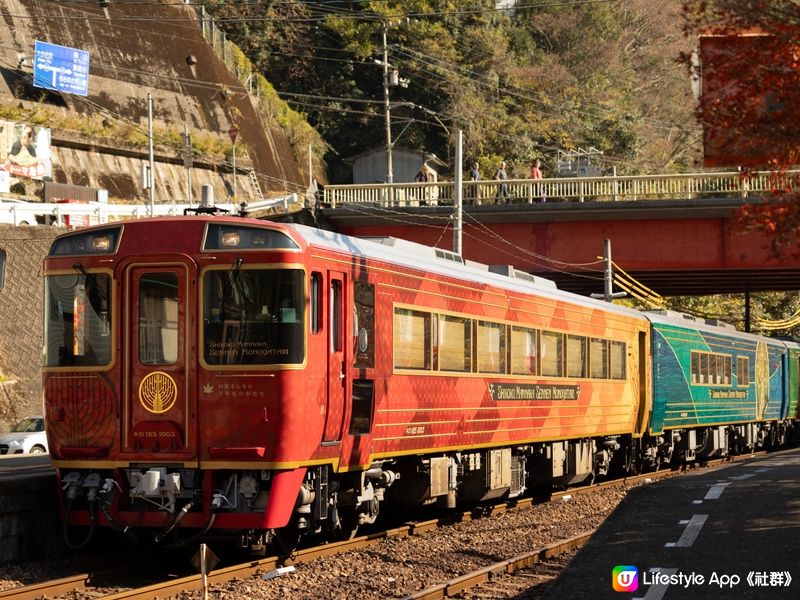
(187, 161)
(389, 170)
(608, 294)
(458, 217)
(152, 179)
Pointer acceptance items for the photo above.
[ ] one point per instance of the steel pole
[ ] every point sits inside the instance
(459, 199)
(152, 177)
(389, 170)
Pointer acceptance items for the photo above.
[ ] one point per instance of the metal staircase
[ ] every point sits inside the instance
(255, 188)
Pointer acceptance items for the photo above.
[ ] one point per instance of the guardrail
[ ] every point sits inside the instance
(83, 214)
(581, 189)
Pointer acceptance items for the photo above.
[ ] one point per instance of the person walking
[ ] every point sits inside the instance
(502, 189)
(536, 173)
(536, 170)
(475, 176)
(423, 176)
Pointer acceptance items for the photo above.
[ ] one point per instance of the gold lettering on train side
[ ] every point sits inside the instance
(247, 348)
(158, 392)
(728, 394)
(535, 391)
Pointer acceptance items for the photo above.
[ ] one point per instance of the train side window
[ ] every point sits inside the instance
(702, 368)
(315, 309)
(363, 395)
(552, 354)
(336, 316)
(523, 351)
(412, 339)
(576, 356)
(364, 297)
(617, 360)
(491, 347)
(598, 358)
(742, 371)
(455, 344)
(726, 376)
(695, 367)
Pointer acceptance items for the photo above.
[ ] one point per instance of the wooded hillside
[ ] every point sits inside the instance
(521, 83)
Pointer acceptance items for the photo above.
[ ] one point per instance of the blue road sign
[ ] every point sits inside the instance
(61, 68)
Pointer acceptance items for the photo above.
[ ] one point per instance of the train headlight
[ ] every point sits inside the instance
(230, 239)
(101, 243)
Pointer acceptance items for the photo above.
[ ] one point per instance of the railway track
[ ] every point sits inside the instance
(530, 570)
(514, 578)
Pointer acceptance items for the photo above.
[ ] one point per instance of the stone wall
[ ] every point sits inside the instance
(139, 49)
(21, 308)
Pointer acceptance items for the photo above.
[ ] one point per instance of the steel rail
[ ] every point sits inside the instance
(465, 582)
(255, 567)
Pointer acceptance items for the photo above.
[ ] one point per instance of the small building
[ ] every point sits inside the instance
(370, 166)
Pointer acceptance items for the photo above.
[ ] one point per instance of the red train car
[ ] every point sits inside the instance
(210, 373)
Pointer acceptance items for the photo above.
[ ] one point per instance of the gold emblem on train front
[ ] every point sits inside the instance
(158, 392)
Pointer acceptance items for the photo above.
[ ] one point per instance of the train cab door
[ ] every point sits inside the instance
(337, 357)
(158, 415)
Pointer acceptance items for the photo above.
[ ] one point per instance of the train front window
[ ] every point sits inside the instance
(77, 324)
(253, 316)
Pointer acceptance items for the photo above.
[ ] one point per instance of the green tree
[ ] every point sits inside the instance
(520, 84)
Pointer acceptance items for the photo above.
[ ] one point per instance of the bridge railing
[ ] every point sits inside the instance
(581, 189)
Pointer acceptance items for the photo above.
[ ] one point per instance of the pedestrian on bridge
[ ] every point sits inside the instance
(502, 189)
(475, 176)
(536, 174)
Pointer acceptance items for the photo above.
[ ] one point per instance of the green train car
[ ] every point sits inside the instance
(717, 390)
(793, 379)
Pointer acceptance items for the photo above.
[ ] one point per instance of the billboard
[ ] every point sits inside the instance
(61, 68)
(24, 152)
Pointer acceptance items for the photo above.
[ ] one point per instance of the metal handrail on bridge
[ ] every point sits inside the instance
(624, 188)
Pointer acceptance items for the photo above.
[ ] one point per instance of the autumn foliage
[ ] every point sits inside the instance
(750, 100)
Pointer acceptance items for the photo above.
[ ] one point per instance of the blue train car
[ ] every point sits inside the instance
(715, 390)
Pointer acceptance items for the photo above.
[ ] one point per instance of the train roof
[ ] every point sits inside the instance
(679, 319)
(447, 263)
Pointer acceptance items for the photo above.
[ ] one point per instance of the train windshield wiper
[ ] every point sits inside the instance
(232, 279)
(90, 279)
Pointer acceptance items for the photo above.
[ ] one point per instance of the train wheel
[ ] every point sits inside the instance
(347, 527)
(287, 539)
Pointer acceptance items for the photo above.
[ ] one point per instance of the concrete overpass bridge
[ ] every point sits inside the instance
(676, 234)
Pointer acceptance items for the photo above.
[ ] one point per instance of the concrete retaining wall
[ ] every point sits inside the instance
(21, 308)
(29, 521)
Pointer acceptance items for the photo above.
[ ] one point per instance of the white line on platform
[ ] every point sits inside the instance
(716, 491)
(741, 477)
(657, 591)
(689, 534)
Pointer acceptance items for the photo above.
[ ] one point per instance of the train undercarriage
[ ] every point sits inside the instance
(173, 504)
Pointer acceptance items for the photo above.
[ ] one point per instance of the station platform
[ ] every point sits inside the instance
(12, 465)
(724, 533)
